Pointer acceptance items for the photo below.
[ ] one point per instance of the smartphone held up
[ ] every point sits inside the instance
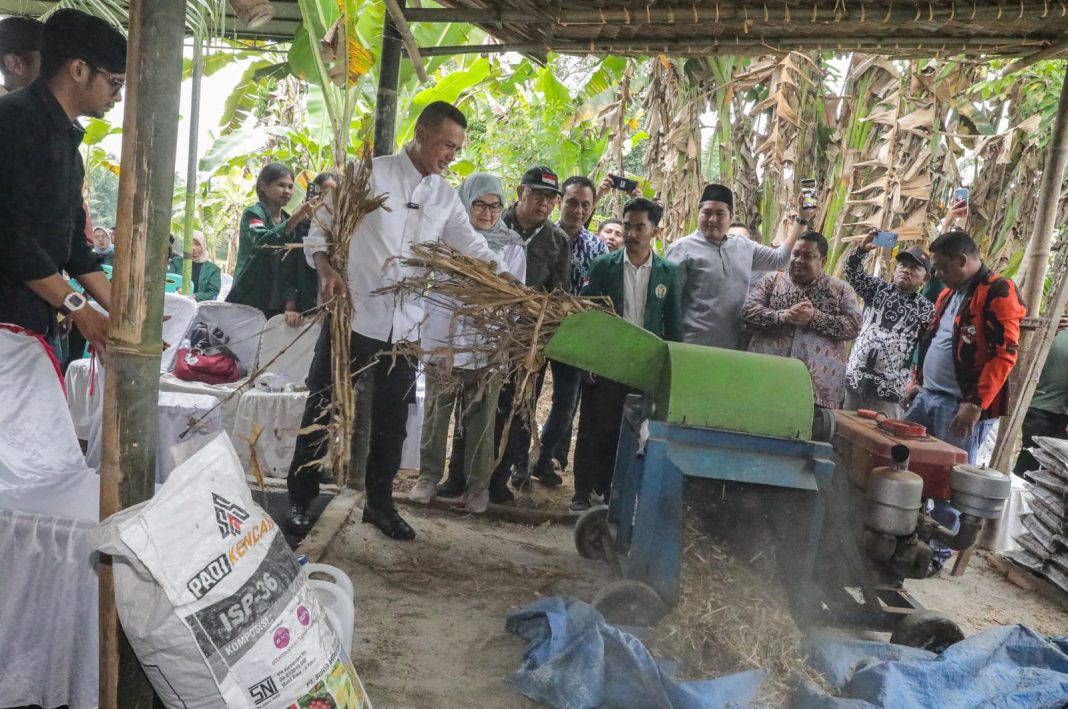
(809, 194)
(624, 184)
(885, 239)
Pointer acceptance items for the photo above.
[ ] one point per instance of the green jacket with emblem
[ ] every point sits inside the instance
(663, 300)
(257, 276)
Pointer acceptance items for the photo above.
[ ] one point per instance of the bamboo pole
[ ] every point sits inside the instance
(388, 81)
(131, 392)
(191, 166)
(405, 32)
(1047, 53)
(1036, 260)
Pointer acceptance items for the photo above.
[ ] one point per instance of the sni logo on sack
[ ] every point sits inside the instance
(263, 690)
(228, 516)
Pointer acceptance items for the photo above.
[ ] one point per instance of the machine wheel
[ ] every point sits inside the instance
(630, 603)
(927, 630)
(592, 535)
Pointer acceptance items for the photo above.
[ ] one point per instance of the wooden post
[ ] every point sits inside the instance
(388, 80)
(131, 392)
(1034, 348)
(191, 166)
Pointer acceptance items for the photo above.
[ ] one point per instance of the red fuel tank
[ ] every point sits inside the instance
(862, 445)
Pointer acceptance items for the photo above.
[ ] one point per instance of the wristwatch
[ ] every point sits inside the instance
(72, 303)
(800, 220)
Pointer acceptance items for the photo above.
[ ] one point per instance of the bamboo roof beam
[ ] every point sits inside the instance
(405, 32)
(826, 13)
(1024, 62)
(1006, 46)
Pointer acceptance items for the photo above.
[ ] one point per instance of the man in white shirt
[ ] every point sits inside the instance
(420, 207)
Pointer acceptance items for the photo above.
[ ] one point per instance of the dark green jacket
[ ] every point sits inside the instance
(548, 254)
(257, 277)
(207, 278)
(663, 300)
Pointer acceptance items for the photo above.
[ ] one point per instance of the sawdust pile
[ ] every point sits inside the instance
(732, 616)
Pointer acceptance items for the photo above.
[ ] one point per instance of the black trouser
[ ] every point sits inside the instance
(600, 415)
(393, 390)
(1038, 423)
(566, 384)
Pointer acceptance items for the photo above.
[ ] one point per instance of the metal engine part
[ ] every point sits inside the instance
(980, 492)
(894, 497)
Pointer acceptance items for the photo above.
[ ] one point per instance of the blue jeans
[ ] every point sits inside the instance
(935, 410)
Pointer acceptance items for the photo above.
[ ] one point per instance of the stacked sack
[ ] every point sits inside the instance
(1045, 543)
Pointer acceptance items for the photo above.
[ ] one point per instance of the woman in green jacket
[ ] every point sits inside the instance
(300, 282)
(207, 278)
(257, 277)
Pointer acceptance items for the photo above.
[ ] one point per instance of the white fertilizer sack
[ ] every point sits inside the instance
(214, 602)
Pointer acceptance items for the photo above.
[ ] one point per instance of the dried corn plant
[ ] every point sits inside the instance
(352, 202)
(785, 124)
(616, 121)
(673, 105)
(506, 325)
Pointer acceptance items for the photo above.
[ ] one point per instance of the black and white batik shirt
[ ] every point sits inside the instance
(882, 354)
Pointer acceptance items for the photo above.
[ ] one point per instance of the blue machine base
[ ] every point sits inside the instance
(646, 504)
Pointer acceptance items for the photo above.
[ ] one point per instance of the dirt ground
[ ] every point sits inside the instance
(430, 614)
(983, 598)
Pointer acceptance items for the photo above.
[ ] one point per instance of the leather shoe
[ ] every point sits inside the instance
(548, 476)
(298, 521)
(389, 522)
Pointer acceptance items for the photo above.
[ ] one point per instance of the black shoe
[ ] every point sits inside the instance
(548, 476)
(389, 522)
(561, 463)
(580, 505)
(500, 494)
(452, 487)
(298, 521)
(520, 479)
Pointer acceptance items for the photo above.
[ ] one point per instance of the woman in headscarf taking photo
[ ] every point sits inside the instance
(207, 278)
(475, 400)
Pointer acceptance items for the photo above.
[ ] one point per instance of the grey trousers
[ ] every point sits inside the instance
(477, 414)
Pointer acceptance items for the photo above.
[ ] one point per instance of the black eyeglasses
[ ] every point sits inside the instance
(481, 206)
(115, 82)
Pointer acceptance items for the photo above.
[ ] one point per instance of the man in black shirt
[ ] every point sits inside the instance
(20, 52)
(42, 222)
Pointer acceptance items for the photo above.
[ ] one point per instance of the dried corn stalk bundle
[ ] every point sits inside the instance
(507, 325)
(732, 616)
(352, 202)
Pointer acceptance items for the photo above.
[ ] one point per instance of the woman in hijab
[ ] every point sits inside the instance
(103, 248)
(207, 278)
(475, 401)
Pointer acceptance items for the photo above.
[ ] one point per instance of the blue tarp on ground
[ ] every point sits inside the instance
(574, 660)
(1009, 666)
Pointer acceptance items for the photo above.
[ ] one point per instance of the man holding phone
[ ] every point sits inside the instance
(895, 314)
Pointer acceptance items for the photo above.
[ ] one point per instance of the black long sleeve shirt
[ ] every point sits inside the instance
(42, 221)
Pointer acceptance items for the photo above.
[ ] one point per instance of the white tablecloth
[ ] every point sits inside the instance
(278, 415)
(176, 412)
(82, 405)
(48, 612)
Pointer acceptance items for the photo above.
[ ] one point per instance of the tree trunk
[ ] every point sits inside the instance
(131, 392)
